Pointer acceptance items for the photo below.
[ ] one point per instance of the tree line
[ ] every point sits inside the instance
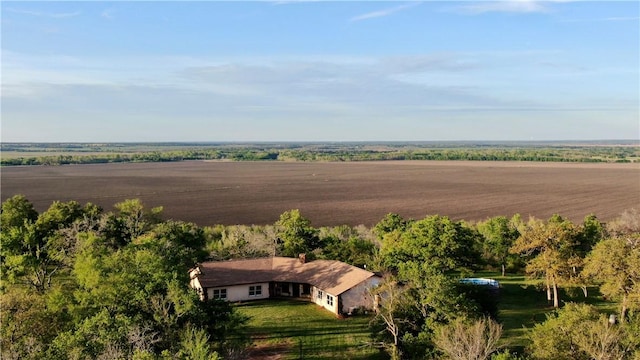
(80, 282)
(77, 155)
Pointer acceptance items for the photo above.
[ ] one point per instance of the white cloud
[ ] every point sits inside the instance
(506, 6)
(607, 19)
(43, 14)
(384, 12)
(260, 92)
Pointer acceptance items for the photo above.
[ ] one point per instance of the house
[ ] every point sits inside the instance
(334, 285)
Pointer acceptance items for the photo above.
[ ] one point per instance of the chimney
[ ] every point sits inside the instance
(302, 258)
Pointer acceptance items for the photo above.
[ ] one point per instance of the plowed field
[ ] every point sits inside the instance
(351, 193)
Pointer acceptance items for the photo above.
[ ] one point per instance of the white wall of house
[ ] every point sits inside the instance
(319, 297)
(359, 296)
(241, 292)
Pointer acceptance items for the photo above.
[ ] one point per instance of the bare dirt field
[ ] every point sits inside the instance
(350, 193)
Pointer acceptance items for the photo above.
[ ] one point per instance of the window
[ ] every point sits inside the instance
(219, 293)
(255, 291)
(319, 296)
(329, 300)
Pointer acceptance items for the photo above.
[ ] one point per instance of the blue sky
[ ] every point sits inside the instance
(320, 71)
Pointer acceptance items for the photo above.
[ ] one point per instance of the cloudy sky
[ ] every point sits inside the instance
(320, 71)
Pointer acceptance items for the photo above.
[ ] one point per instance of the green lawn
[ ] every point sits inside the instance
(523, 303)
(303, 330)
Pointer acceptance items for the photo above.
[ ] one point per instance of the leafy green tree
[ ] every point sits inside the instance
(240, 241)
(27, 324)
(125, 294)
(181, 244)
(590, 233)
(553, 339)
(579, 331)
(389, 223)
(499, 235)
(16, 211)
(93, 337)
(354, 250)
(425, 255)
(131, 220)
(59, 215)
(225, 326)
(614, 263)
(551, 251)
(296, 234)
(195, 346)
(28, 247)
(435, 240)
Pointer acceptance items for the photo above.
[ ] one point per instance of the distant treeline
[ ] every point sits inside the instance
(62, 154)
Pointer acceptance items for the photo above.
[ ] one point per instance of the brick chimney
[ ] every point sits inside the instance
(302, 258)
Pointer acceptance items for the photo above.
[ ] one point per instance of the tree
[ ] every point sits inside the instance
(614, 263)
(425, 255)
(464, 339)
(499, 235)
(132, 220)
(551, 251)
(580, 332)
(29, 246)
(590, 233)
(601, 340)
(16, 211)
(435, 240)
(27, 324)
(181, 244)
(627, 224)
(553, 339)
(389, 223)
(126, 294)
(347, 245)
(296, 234)
(195, 346)
(392, 303)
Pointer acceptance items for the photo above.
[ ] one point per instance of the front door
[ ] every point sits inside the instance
(296, 290)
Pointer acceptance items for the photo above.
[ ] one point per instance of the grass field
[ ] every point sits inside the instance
(523, 303)
(289, 329)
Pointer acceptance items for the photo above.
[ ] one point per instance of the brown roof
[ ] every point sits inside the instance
(334, 277)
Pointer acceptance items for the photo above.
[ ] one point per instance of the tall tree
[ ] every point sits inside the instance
(392, 303)
(499, 235)
(427, 256)
(551, 251)
(589, 234)
(296, 234)
(181, 244)
(435, 240)
(614, 263)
